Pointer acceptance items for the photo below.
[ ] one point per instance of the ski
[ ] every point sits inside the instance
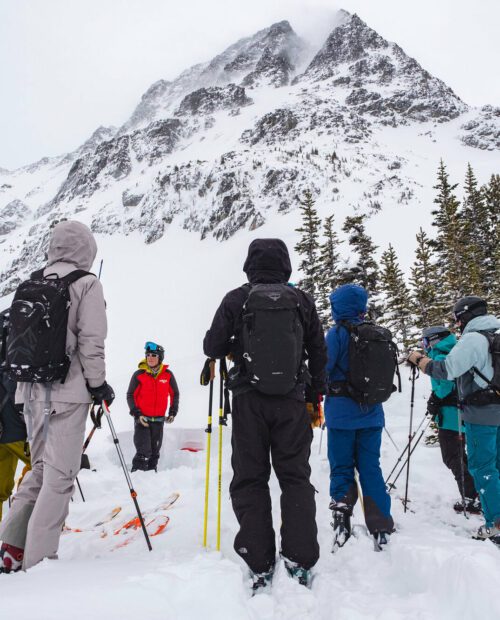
(134, 522)
(107, 519)
(154, 527)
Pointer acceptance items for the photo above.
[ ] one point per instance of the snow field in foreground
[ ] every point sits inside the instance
(431, 570)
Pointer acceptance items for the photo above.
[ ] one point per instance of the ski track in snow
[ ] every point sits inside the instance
(432, 568)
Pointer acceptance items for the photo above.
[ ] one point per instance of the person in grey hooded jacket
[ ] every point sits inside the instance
(33, 526)
(466, 362)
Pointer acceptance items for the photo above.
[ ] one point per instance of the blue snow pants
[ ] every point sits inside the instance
(360, 449)
(483, 450)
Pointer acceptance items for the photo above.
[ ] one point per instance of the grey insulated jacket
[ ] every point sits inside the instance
(72, 246)
(471, 351)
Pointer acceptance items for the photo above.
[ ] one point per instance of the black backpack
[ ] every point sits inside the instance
(372, 363)
(4, 330)
(491, 394)
(36, 338)
(273, 338)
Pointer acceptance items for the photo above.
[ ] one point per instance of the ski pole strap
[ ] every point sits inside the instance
(96, 417)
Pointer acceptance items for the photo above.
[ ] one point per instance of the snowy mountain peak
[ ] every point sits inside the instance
(378, 78)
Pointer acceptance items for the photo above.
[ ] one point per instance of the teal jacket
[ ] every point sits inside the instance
(444, 387)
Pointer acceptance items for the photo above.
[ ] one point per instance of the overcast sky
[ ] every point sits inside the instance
(68, 66)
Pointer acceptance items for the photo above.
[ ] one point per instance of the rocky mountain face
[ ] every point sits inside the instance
(376, 78)
(229, 140)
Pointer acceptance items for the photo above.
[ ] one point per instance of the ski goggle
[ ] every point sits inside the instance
(430, 341)
(152, 347)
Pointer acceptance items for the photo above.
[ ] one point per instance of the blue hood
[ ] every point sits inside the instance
(348, 302)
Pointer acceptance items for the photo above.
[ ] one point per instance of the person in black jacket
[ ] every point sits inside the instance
(266, 424)
(13, 446)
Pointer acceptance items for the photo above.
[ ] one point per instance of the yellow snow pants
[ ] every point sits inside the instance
(10, 454)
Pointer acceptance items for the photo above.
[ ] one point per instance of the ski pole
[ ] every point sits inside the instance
(462, 466)
(208, 430)
(412, 403)
(321, 436)
(79, 488)
(222, 423)
(390, 437)
(405, 449)
(133, 494)
(392, 484)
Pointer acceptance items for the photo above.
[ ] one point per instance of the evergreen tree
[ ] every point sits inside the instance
(491, 194)
(397, 300)
(328, 271)
(362, 267)
(308, 246)
(448, 244)
(425, 285)
(474, 234)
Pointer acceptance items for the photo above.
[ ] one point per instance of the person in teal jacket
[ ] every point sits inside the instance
(438, 341)
(470, 363)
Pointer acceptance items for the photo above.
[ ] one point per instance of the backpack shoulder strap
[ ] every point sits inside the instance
(36, 275)
(73, 276)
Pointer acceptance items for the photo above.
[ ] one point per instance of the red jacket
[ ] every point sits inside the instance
(150, 395)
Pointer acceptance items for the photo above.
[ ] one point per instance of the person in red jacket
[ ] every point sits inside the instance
(152, 389)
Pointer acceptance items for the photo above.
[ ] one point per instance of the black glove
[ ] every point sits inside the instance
(135, 412)
(433, 406)
(103, 392)
(312, 396)
(206, 373)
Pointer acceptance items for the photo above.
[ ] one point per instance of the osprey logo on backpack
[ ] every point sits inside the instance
(273, 338)
(36, 339)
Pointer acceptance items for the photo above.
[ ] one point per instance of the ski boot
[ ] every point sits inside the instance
(298, 573)
(486, 532)
(11, 558)
(472, 506)
(341, 524)
(381, 540)
(261, 582)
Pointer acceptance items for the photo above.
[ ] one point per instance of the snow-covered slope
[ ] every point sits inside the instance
(232, 142)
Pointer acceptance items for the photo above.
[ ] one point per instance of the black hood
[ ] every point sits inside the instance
(268, 261)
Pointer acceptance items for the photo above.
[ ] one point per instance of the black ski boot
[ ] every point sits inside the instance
(261, 582)
(341, 526)
(298, 573)
(472, 506)
(381, 540)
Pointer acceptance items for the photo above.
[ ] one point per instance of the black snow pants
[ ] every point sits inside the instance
(273, 428)
(147, 441)
(451, 445)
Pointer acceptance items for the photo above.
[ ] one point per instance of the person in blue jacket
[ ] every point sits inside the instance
(438, 342)
(471, 364)
(354, 430)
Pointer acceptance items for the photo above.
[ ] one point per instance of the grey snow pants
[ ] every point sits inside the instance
(40, 507)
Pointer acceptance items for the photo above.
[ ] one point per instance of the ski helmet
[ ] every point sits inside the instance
(468, 308)
(432, 335)
(157, 349)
